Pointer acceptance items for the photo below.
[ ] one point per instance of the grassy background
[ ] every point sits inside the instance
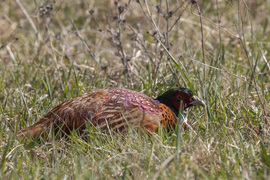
(52, 51)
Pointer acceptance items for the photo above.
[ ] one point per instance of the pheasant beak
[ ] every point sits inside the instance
(195, 101)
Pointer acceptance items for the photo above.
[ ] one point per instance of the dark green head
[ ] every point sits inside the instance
(173, 98)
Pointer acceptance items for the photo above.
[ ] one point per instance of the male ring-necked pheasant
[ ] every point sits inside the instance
(114, 108)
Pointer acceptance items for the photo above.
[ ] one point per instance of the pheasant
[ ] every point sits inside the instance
(114, 108)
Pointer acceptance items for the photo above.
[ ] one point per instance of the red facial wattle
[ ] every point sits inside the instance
(177, 104)
(181, 97)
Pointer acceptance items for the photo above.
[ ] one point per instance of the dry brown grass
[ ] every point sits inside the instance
(82, 45)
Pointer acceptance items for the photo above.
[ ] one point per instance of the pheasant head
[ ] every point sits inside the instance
(173, 98)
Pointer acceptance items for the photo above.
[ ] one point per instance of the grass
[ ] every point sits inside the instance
(219, 51)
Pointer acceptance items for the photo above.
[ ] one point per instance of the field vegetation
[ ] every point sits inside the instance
(51, 51)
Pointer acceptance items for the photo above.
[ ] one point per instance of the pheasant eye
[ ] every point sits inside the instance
(179, 97)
